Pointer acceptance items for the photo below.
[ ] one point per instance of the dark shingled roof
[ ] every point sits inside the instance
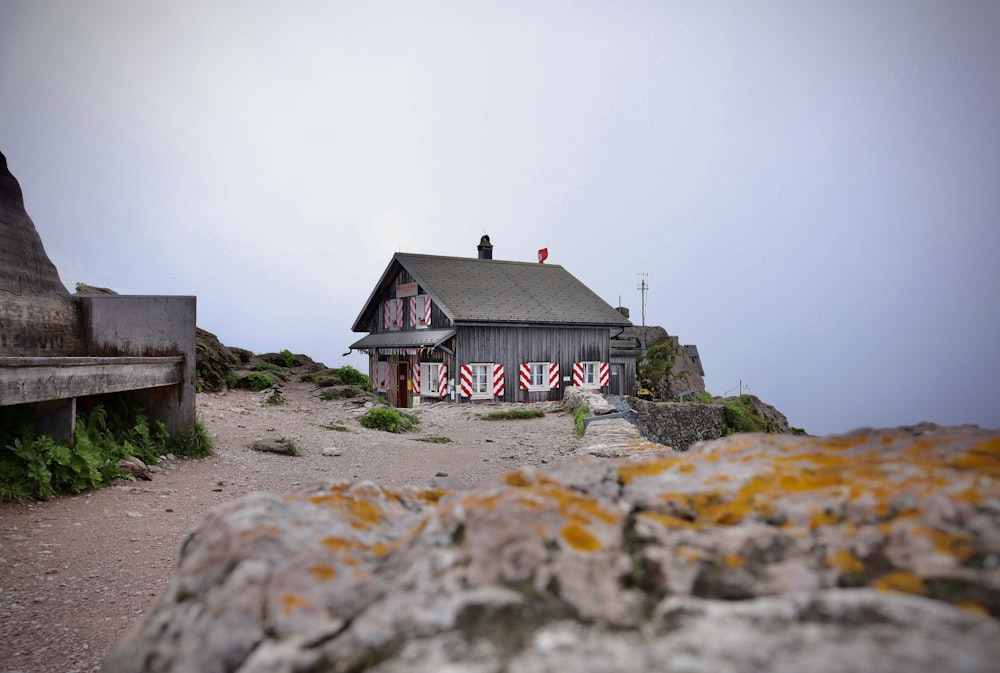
(488, 290)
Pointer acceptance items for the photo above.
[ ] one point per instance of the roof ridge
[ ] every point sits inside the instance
(475, 259)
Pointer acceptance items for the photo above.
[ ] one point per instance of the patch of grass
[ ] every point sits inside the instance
(195, 443)
(336, 428)
(580, 413)
(339, 393)
(388, 419)
(436, 440)
(512, 415)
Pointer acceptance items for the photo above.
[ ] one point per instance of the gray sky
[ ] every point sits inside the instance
(812, 187)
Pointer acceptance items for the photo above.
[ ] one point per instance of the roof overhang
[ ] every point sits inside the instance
(418, 338)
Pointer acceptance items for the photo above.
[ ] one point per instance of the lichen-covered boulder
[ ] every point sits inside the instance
(873, 551)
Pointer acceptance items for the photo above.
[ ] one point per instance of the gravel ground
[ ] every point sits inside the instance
(77, 572)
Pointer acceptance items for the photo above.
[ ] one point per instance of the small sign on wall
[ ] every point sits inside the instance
(406, 290)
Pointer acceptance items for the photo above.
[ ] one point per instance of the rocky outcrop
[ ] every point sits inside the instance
(667, 367)
(37, 316)
(874, 551)
(25, 269)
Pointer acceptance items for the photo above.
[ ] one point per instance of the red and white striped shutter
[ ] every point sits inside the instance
(497, 380)
(525, 376)
(386, 318)
(578, 374)
(413, 311)
(605, 375)
(399, 313)
(443, 380)
(416, 378)
(427, 311)
(553, 375)
(465, 384)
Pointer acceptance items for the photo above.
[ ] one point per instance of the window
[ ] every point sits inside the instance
(481, 384)
(587, 375)
(539, 376)
(393, 314)
(382, 376)
(431, 375)
(481, 380)
(420, 311)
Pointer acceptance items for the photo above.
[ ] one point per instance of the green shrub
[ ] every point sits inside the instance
(742, 416)
(436, 440)
(259, 382)
(288, 357)
(704, 398)
(512, 415)
(352, 377)
(388, 419)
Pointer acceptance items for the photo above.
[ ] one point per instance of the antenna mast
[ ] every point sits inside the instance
(644, 288)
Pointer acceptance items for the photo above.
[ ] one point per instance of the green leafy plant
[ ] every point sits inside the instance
(436, 440)
(36, 466)
(259, 382)
(288, 357)
(352, 377)
(388, 419)
(704, 398)
(513, 415)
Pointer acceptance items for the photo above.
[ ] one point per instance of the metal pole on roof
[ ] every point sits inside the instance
(644, 288)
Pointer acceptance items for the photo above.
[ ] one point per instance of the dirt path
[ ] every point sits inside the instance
(77, 572)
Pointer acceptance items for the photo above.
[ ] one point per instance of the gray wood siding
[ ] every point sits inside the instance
(513, 345)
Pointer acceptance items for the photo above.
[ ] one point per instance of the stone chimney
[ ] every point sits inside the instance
(485, 248)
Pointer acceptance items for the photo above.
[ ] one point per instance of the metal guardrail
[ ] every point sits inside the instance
(624, 411)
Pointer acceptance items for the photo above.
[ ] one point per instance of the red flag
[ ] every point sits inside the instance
(543, 254)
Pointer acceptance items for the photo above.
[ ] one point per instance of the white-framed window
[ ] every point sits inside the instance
(430, 379)
(421, 311)
(591, 375)
(482, 380)
(538, 376)
(393, 315)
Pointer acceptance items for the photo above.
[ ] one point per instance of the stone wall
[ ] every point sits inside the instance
(680, 424)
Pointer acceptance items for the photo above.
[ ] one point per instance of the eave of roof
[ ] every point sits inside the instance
(420, 338)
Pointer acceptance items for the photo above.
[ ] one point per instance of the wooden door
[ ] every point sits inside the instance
(403, 385)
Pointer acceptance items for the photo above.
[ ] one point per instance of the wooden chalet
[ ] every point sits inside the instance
(480, 329)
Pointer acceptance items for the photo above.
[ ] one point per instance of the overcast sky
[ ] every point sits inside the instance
(812, 187)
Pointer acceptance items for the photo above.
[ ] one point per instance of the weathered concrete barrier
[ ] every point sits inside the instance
(873, 551)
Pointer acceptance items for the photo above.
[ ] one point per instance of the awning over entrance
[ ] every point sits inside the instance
(414, 339)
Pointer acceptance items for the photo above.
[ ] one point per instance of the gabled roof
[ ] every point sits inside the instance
(469, 290)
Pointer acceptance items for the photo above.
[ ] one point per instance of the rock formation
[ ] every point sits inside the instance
(877, 550)
(668, 368)
(25, 269)
(37, 316)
